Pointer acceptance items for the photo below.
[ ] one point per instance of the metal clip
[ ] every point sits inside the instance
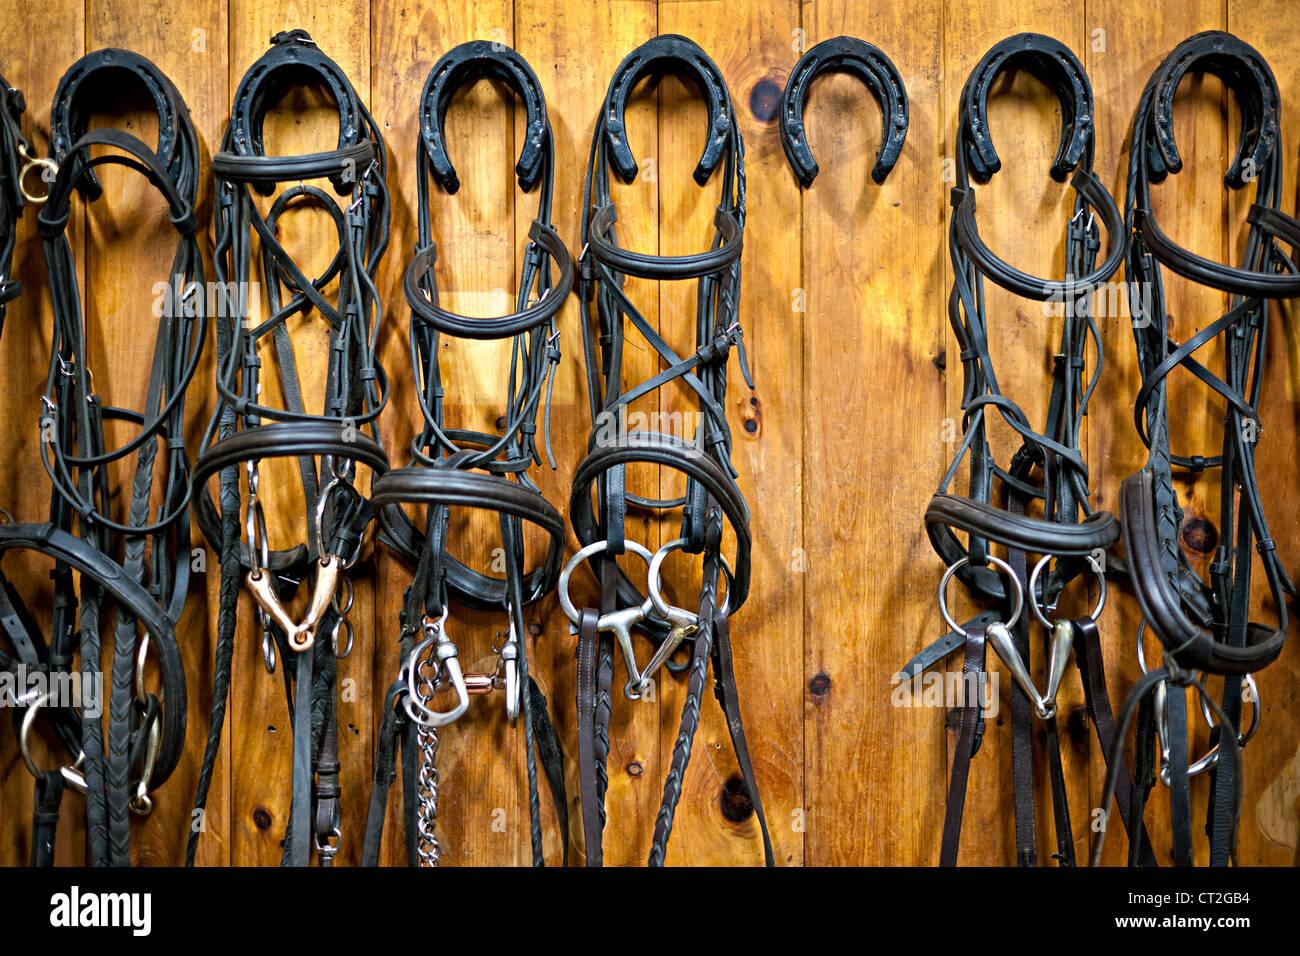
(445, 659)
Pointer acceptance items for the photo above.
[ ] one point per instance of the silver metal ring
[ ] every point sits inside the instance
(596, 547)
(342, 608)
(341, 623)
(1247, 681)
(1033, 600)
(654, 583)
(1142, 656)
(1011, 574)
(322, 500)
(268, 651)
(25, 732)
(141, 657)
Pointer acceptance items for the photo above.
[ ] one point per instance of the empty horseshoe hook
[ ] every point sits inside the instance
(463, 66)
(662, 54)
(876, 70)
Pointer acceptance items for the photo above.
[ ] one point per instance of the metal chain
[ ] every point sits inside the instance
(426, 791)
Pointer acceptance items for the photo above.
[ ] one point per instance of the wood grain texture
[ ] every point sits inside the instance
(574, 49)
(260, 740)
(482, 807)
(874, 277)
(715, 822)
(33, 62)
(839, 446)
(1270, 822)
(129, 249)
(1023, 215)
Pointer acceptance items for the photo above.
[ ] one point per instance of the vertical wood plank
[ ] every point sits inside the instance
(874, 273)
(1270, 816)
(482, 817)
(715, 822)
(32, 61)
(1023, 214)
(574, 49)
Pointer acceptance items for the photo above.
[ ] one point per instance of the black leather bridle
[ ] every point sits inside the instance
(341, 436)
(1048, 468)
(711, 492)
(148, 584)
(458, 468)
(1202, 626)
(16, 158)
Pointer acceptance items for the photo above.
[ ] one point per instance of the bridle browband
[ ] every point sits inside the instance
(711, 492)
(1048, 467)
(1202, 627)
(341, 436)
(148, 585)
(459, 468)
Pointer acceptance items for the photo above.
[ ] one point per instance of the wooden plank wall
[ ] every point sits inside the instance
(839, 446)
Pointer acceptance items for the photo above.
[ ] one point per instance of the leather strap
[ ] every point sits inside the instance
(1088, 659)
(592, 822)
(970, 731)
(45, 816)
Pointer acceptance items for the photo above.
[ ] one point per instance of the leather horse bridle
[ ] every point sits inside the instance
(17, 159)
(1048, 468)
(1202, 627)
(341, 436)
(459, 468)
(711, 492)
(148, 584)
